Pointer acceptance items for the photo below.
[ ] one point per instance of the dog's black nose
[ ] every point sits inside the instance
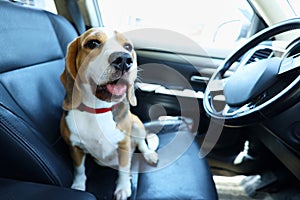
(121, 61)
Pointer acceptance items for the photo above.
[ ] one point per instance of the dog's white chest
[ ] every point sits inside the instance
(96, 134)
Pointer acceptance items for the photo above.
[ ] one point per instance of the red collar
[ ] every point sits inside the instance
(83, 107)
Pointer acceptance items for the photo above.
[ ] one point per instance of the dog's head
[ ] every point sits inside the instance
(105, 61)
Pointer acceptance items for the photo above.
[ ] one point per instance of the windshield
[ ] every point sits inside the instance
(295, 6)
(203, 21)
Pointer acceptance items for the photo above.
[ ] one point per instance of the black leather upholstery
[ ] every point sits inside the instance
(11, 189)
(33, 46)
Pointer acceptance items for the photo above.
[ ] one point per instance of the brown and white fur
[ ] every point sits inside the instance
(100, 72)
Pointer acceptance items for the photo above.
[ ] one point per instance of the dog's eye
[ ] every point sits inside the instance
(128, 47)
(92, 44)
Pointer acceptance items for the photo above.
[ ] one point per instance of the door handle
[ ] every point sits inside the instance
(199, 79)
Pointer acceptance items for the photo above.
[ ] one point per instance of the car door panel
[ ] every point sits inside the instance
(195, 70)
(172, 84)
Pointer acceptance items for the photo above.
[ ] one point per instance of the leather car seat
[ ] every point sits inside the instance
(34, 160)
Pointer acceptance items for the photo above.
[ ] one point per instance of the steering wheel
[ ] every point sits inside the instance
(256, 90)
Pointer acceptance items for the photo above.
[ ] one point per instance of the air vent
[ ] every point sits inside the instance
(260, 54)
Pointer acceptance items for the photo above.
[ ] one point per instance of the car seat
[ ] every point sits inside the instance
(34, 160)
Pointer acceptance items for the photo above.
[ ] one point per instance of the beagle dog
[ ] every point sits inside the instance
(99, 80)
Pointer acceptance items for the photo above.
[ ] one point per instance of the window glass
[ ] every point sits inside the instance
(295, 6)
(205, 21)
(48, 5)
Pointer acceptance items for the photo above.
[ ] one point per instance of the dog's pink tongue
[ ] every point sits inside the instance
(117, 89)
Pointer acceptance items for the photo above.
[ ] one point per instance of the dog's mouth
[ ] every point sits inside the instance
(111, 91)
(116, 88)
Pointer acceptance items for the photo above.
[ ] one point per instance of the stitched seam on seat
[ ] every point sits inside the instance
(24, 143)
(50, 16)
(13, 98)
(39, 63)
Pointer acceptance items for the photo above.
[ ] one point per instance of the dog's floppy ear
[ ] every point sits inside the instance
(130, 90)
(68, 78)
(131, 95)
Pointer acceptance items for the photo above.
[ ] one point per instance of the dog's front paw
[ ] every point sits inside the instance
(123, 190)
(79, 182)
(122, 194)
(78, 186)
(151, 157)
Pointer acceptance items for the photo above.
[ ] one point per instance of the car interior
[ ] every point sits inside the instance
(224, 107)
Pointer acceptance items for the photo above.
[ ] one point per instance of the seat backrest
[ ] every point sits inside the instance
(33, 45)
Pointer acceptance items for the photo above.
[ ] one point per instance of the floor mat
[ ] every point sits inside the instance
(234, 188)
(243, 188)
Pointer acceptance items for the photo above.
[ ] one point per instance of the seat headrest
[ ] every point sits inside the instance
(30, 37)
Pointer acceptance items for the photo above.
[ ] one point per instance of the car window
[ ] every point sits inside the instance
(295, 6)
(222, 23)
(48, 5)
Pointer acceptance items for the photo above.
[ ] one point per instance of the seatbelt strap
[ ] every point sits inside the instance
(76, 15)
